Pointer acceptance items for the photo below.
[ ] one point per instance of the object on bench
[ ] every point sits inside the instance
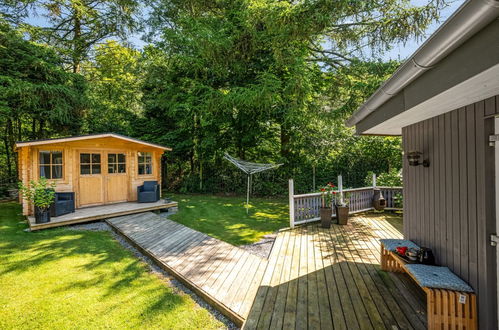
(388, 246)
(450, 307)
(148, 192)
(64, 203)
(392, 244)
(437, 278)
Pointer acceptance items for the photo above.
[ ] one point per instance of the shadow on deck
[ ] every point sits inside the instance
(331, 278)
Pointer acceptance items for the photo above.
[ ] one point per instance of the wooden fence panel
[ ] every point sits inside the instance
(307, 206)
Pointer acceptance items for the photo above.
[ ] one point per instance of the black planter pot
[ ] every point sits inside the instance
(42, 215)
(326, 215)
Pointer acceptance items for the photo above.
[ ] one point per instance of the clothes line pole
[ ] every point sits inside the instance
(247, 195)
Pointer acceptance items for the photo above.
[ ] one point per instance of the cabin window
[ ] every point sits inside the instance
(145, 163)
(90, 164)
(51, 164)
(116, 163)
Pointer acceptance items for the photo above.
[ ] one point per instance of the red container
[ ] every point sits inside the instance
(401, 250)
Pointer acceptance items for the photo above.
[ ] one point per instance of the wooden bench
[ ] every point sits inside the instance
(447, 307)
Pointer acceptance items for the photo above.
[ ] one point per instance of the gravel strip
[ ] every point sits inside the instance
(178, 287)
(261, 248)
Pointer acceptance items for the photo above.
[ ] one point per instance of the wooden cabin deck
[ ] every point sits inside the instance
(100, 212)
(314, 278)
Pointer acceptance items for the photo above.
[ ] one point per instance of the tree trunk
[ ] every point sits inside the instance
(313, 177)
(76, 42)
(7, 156)
(9, 145)
(285, 139)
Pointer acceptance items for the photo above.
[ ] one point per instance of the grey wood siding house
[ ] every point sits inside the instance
(444, 102)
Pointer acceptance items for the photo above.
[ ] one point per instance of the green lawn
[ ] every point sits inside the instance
(64, 279)
(225, 217)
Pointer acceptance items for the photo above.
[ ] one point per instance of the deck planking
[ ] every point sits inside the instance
(217, 271)
(320, 278)
(100, 212)
(314, 278)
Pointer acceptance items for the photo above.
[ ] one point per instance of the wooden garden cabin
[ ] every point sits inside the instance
(101, 168)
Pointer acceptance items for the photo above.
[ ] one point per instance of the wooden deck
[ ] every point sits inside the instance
(330, 278)
(93, 213)
(226, 276)
(314, 278)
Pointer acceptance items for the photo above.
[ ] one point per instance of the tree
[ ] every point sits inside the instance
(76, 26)
(38, 98)
(270, 80)
(114, 78)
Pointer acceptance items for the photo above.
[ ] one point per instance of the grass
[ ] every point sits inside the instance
(225, 217)
(62, 278)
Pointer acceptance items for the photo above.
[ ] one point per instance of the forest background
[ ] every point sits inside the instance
(263, 80)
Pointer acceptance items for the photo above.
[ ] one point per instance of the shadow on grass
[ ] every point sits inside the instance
(83, 263)
(225, 217)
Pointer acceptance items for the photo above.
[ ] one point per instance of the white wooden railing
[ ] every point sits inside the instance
(305, 208)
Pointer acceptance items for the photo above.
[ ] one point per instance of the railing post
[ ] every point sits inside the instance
(340, 188)
(374, 180)
(291, 204)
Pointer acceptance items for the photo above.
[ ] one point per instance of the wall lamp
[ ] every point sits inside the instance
(413, 158)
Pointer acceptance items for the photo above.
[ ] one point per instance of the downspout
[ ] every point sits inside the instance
(470, 18)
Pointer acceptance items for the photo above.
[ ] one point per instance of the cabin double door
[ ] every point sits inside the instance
(103, 177)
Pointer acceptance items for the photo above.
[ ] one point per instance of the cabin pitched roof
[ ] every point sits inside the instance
(21, 144)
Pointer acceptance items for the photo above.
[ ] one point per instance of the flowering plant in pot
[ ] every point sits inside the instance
(41, 193)
(342, 208)
(326, 211)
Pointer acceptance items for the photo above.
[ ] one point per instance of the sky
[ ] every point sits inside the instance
(401, 51)
(398, 52)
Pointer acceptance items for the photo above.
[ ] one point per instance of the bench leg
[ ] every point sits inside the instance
(388, 263)
(446, 311)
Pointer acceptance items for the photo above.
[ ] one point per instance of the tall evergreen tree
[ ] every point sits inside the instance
(261, 78)
(76, 26)
(38, 98)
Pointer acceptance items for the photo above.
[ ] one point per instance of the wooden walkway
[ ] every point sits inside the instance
(330, 278)
(226, 276)
(314, 278)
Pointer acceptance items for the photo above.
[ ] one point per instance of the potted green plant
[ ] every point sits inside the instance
(41, 193)
(326, 210)
(342, 208)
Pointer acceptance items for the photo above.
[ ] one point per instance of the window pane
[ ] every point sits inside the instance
(96, 169)
(56, 157)
(148, 169)
(96, 158)
(141, 159)
(44, 157)
(111, 158)
(111, 168)
(141, 169)
(84, 169)
(121, 168)
(56, 171)
(121, 158)
(45, 171)
(84, 158)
